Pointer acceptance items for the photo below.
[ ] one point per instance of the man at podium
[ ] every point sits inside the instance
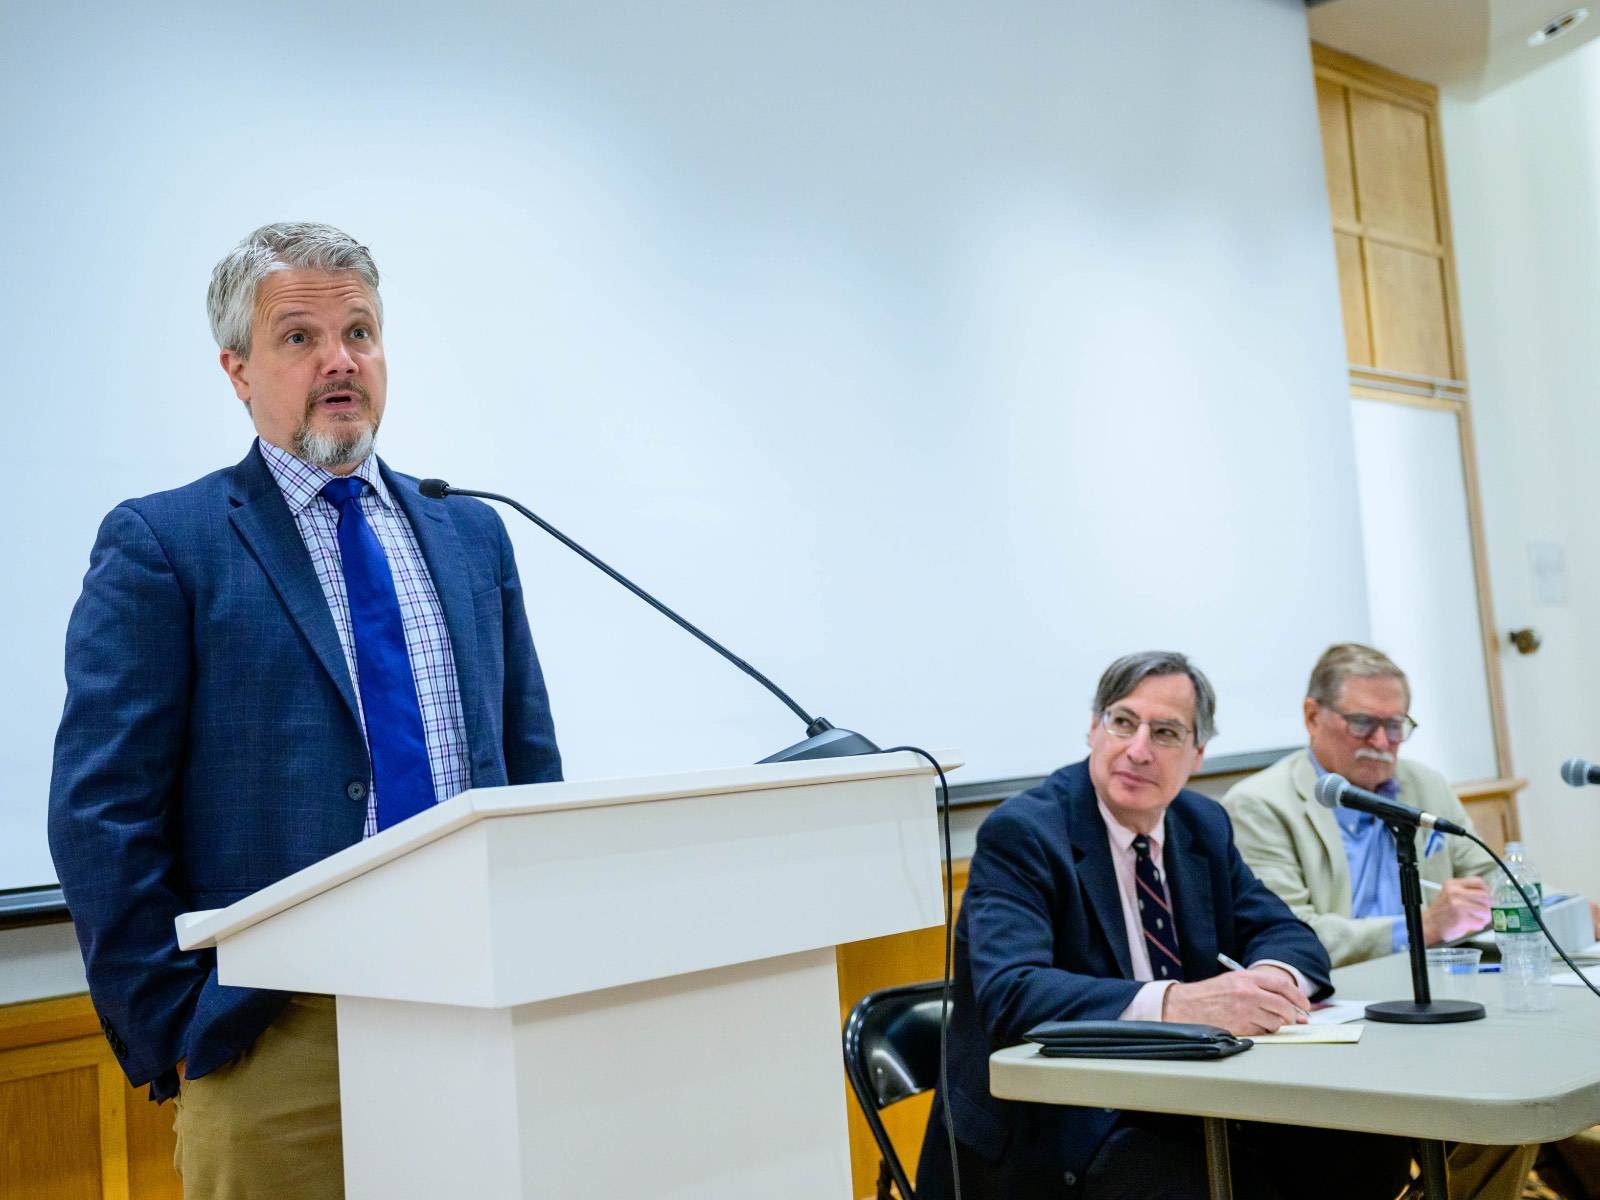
(1109, 892)
(265, 666)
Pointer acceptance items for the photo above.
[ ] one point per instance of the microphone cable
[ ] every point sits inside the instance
(1535, 910)
(438, 489)
(949, 959)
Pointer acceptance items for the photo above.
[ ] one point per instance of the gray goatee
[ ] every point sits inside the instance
(329, 450)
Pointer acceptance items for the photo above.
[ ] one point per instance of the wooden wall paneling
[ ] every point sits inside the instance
(1355, 72)
(1353, 299)
(50, 1112)
(1383, 395)
(151, 1145)
(111, 1088)
(1333, 112)
(51, 1020)
(864, 967)
(1492, 645)
(72, 1124)
(1409, 312)
(1441, 191)
(1333, 120)
(1393, 157)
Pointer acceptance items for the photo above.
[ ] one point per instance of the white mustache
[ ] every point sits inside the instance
(1382, 756)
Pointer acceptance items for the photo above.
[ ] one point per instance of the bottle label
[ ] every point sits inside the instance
(1518, 918)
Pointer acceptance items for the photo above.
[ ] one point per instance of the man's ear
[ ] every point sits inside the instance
(1310, 708)
(235, 365)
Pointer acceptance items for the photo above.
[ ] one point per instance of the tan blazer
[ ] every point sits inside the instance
(1294, 846)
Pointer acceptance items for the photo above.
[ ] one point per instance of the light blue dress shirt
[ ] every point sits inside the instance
(1374, 870)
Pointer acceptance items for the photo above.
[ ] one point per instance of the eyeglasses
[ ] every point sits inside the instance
(1361, 725)
(1125, 724)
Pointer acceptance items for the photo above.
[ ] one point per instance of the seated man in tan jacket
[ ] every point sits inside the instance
(1336, 869)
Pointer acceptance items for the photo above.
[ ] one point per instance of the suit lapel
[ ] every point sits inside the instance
(1194, 910)
(263, 520)
(447, 565)
(1092, 851)
(1326, 827)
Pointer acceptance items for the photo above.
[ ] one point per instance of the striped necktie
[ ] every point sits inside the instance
(402, 780)
(1155, 914)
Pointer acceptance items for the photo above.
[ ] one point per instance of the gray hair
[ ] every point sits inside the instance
(1129, 671)
(285, 246)
(1351, 660)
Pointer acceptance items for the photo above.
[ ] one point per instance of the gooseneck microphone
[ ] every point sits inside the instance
(1579, 771)
(1335, 791)
(822, 740)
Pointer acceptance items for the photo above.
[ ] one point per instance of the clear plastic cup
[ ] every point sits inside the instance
(1451, 970)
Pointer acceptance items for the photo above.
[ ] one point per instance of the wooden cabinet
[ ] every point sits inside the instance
(73, 1128)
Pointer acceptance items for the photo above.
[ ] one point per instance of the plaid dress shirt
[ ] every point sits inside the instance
(433, 663)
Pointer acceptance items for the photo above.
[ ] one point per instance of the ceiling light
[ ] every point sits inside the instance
(1554, 28)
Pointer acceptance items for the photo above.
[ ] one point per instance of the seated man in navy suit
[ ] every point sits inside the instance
(1108, 892)
(266, 666)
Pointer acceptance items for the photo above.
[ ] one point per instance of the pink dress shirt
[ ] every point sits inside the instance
(1148, 1000)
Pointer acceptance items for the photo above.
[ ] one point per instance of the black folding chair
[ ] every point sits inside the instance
(891, 1052)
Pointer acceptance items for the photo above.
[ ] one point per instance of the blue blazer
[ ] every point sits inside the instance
(211, 743)
(1041, 937)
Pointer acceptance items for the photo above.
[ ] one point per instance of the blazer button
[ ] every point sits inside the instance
(356, 790)
(1070, 1179)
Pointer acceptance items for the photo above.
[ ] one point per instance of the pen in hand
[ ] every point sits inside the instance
(1233, 966)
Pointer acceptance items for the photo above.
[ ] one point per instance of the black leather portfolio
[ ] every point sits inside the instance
(1134, 1039)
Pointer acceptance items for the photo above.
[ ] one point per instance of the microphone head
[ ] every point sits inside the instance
(434, 489)
(1330, 790)
(1576, 771)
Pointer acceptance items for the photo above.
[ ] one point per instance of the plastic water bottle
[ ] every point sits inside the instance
(1524, 952)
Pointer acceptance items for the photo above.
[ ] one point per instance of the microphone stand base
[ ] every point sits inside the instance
(830, 743)
(1432, 1012)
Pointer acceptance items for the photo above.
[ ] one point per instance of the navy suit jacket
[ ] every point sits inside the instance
(1041, 937)
(211, 745)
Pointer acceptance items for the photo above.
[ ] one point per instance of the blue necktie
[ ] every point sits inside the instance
(1155, 914)
(401, 778)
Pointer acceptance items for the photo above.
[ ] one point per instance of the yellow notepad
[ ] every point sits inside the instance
(1311, 1035)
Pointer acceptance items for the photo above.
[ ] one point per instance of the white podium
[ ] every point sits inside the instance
(601, 989)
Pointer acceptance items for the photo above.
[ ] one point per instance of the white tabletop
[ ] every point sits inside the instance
(1509, 1079)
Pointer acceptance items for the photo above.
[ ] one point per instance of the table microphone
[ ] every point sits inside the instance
(1579, 771)
(822, 739)
(1335, 791)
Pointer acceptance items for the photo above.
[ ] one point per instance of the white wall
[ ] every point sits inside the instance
(930, 354)
(1524, 168)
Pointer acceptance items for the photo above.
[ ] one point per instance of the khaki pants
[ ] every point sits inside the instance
(266, 1127)
(1484, 1172)
(1489, 1172)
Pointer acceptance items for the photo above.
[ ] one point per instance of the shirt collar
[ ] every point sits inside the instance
(301, 482)
(1122, 837)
